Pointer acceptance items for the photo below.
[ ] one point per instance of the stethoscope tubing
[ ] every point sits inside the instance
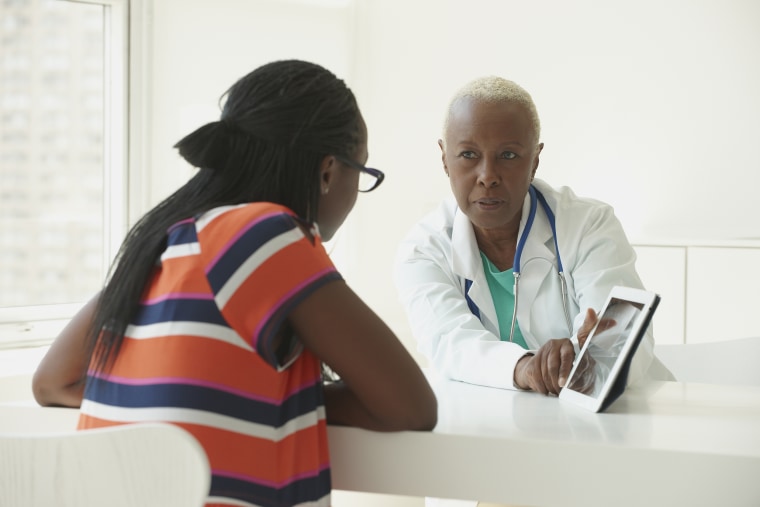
(535, 197)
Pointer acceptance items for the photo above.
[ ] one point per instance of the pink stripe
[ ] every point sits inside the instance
(237, 236)
(271, 484)
(299, 388)
(295, 290)
(177, 224)
(194, 382)
(178, 295)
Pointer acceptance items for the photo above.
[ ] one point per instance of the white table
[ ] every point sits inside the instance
(662, 444)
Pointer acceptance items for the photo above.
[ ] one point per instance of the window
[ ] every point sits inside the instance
(62, 158)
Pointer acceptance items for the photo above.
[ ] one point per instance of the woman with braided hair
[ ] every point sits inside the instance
(223, 306)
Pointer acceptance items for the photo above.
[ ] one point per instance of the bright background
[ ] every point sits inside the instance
(652, 106)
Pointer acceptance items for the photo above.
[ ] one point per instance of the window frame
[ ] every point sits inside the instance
(34, 325)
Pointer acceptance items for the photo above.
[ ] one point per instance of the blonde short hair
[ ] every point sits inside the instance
(498, 90)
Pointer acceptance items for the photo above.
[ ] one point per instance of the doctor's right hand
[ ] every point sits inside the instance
(547, 370)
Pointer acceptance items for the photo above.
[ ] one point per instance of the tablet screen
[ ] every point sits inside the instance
(611, 334)
(600, 371)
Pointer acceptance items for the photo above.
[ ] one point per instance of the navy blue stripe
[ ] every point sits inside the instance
(251, 241)
(172, 310)
(182, 235)
(470, 303)
(205, 398)
(304, 490)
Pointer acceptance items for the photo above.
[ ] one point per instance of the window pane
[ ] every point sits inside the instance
(51, 151)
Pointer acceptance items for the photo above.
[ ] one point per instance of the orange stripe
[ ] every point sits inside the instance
(88, 422)
(299, 453)
(182, 274)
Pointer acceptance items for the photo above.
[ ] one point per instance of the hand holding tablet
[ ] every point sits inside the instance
(600, 370)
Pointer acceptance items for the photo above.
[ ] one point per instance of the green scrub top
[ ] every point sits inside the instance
(502, 287)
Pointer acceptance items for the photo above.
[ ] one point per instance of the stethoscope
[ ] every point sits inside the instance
(535, 196)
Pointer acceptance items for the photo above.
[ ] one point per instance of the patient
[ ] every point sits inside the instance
(223, 305)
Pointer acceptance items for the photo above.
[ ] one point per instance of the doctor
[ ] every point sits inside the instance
(456, 270)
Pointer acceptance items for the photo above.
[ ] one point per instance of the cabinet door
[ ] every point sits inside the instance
(722, 293)
(663, 270)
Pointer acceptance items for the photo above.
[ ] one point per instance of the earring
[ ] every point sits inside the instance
(325, 190)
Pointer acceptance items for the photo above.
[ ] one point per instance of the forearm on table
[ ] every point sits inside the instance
(343, 408)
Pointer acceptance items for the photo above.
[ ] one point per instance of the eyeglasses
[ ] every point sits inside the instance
(369, 178)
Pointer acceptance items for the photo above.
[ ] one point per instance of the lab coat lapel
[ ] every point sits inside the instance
(467, 264)
(539, 245)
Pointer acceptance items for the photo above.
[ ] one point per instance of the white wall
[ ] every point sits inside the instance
(199, 48)
(653, 105)
(650, 105)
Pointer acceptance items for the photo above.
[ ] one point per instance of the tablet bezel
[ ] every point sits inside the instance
(617, 377)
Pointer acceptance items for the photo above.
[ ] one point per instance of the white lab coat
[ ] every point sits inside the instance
(440, 254)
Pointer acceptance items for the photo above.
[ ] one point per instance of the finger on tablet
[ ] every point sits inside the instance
(588, 325)
(567, 356)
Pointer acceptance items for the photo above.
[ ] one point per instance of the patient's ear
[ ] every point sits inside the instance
(327, 170)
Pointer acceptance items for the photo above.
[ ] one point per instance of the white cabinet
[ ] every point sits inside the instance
(710, 292)
(663, 270)
(723, 297)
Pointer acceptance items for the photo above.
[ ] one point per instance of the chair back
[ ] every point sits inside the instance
(134, 465)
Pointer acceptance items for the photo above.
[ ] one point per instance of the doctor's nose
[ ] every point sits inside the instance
(487, 174)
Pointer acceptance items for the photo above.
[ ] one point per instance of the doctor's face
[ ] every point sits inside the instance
(490, 153)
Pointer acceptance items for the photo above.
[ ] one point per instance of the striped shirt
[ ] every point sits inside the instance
(201, 354)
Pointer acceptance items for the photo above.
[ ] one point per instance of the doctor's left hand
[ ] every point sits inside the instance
(547, 370)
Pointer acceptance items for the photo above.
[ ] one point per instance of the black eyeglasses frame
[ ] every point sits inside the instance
(376, 173)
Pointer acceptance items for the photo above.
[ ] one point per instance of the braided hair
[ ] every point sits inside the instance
(277, 123)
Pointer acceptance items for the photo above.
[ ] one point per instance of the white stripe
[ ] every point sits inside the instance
(211, 215)
(322, 502)
(187, 328)
(202, 417)
(183, 250)
(229, 501)
(254, 261)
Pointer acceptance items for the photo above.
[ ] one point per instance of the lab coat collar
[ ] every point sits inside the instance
(467, 264)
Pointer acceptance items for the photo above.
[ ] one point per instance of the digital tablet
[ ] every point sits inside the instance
(600, 370)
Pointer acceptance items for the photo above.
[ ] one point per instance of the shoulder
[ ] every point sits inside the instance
(231, 235)
(242, 213)
(436, 223)
(431, 237)
(266, 219)
(567, 205)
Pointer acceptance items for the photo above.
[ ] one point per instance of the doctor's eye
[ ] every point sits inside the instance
(468, 154)
(508, 155)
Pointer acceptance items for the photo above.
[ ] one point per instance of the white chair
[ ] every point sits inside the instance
(134, 465)
(730, 362)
